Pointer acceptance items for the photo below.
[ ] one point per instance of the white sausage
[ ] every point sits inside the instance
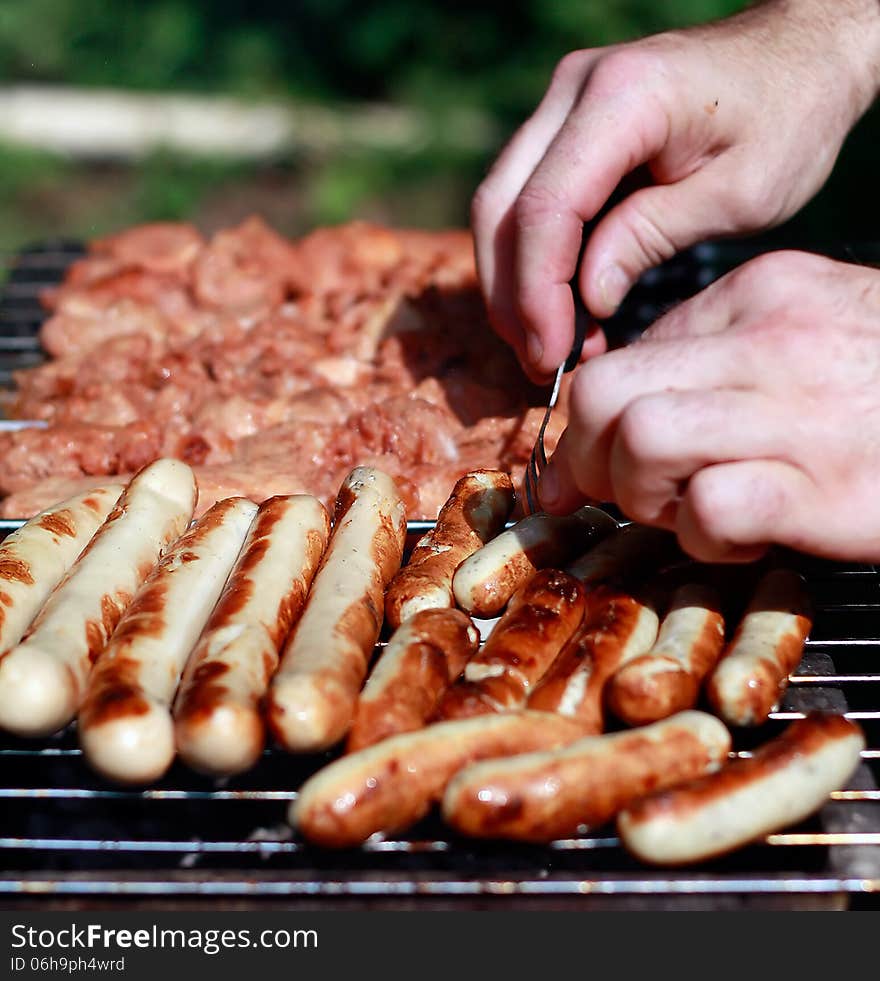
(783, 782)
(313, 695)
(42, 680)
(753, 672)
(476, 510)
(125, 727)
(485, 582)
(35, 558)
(667, 679)
(219, 727)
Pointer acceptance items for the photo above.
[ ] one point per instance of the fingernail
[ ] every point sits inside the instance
(534, 349)
(613, 286)
(549, 488)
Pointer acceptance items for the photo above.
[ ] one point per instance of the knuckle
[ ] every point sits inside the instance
(752, 275)
(633, 498)
(570, 69)
(748, 201)
(653, 64)
(673, 323)
(636, 505)
(703, 536)
(536, 204)
(485, 203)
(715, 528)
(641, 450)
(625, 67)
(529, 304)
(788, 262)
(704, 501)
(766, 278)
(776, 277)
(639, 433)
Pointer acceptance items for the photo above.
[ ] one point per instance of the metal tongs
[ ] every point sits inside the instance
(538, 458)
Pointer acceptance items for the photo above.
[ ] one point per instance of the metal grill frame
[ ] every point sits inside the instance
(830, 862)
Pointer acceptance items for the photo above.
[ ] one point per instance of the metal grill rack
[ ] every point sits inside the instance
(69, 838)
(67, 834)
(21, 313)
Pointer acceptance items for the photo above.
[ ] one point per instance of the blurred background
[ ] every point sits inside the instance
(308, 112)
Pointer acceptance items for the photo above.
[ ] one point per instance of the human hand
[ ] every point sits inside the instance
(746, 416)
(739, 123)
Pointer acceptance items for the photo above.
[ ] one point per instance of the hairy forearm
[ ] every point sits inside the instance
(845, 33)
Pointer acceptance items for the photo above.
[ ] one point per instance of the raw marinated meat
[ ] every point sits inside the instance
(271, 366)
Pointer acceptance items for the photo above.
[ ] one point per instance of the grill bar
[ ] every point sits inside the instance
(250, 888)
(785, 839)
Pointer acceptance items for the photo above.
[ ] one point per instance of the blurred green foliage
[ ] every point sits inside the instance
(492, 56)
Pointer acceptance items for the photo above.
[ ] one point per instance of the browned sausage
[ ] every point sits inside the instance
(562, 792)
(618, 627)
(422, 659)
(752, 675)
(313, 695)
(387, 787)
(43, 679)
(783, 782)
(667, 679)
(218, 720)
(35, 557)
(475, 512)
(485, 582)
(125, 727)
(524, 643)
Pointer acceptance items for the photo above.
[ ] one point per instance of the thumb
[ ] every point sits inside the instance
(648, 227)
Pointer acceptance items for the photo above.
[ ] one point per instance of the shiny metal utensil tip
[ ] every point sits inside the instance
(538, 459)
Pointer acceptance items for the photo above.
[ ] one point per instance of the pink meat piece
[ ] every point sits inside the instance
(32, 455)
(159, 247)
(76, 328)
(244, 270)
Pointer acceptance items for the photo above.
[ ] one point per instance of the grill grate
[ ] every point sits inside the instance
(21, 313)
(67, 835)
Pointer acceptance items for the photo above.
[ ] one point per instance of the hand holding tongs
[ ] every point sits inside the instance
(582, 319)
